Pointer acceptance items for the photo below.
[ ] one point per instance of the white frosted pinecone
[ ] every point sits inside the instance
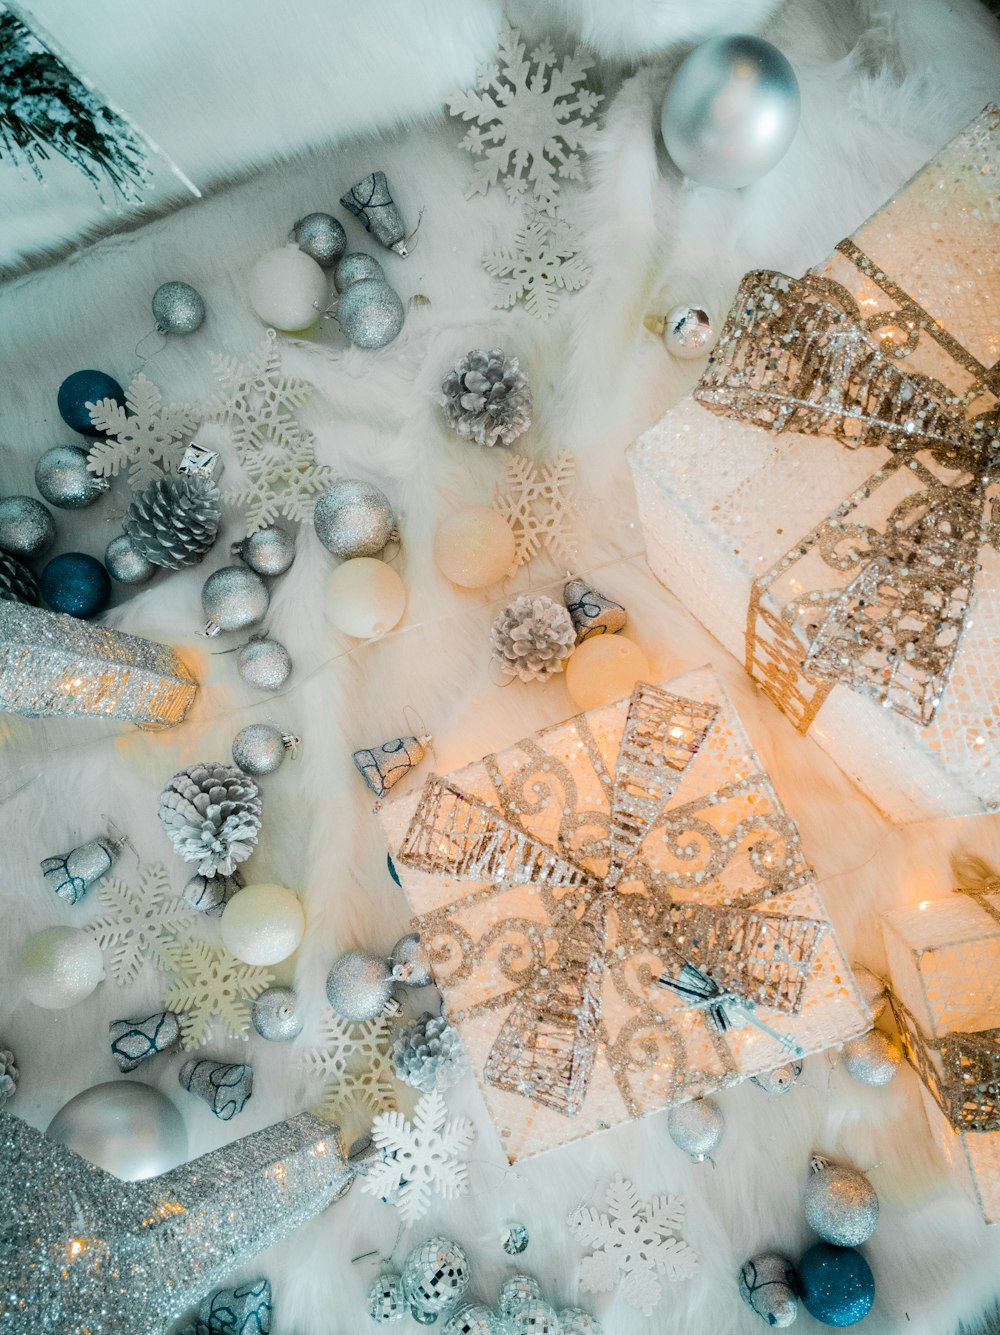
(533, 637)
(17, 583)
(428, 1054)
(8, 1076)
(487, 398)
(175, 520)
(211, 813)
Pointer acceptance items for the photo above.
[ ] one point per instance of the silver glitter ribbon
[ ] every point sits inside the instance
(797, 355)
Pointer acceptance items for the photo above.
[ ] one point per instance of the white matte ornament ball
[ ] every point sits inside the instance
(365, 598)
(696, 1128)
(873, 1059)
(370, 313)
(263, 924)
(128, 1129)
(287, 289)
(178, 308)
(59, 966)
(474, 548)
(688, 332)
(603, 669)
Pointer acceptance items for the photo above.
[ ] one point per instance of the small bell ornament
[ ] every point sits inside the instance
(592, 613)
(383, 766)
(224, 1086)
(72, 874)
(134, 1041)
(244, 1310)
(260, 748)
(371, 201)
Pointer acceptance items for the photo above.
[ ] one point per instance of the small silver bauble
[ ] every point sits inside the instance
(178, 308)
(872, 989)
(688, 332)
(872, 1059)
(514, 1239)
(26, 526)
(840, 1204)
(409, 963)
(476, 1319)
(131, 1130)
(575, 1321)
(353, 268)
(353, 518)
(696, 1127)
(63, 479)
(370, 313)
(260, 748)
(322, 238)
(780, 1080)
(517, 1291)
(767, 1286)
(234, 598)
(359, 985)
(126, 564)
(275, 1015)
(269, 551)
(435, 1275)
(386, 1301)
(264, 663)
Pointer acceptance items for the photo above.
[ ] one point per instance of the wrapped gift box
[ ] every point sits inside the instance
(827, 501)
(944, 967)
(619, 915)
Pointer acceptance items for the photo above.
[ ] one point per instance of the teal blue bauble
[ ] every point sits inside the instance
(76, 584)
(81, 388)
(836, 1284)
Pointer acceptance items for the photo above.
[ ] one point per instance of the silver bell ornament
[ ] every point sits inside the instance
(225, 1086)
(211, 894)
(260, 748)
(126, 564)
(322, 238)
(178, 308)
(234, 598)
(517, 1291)
(354, 518)
(70, 875)
(383, 766)
(386, 1301)
(840, 1204)
(27, 528)
(873, 1059)
(370, 313)
(275, 1015)
(687, 331)
(435, 1275)
(64, 480)
(135, 1041)
(264, 663)
(591, 612)
(359, 985)
(767, 1286)
(371, 200)
(780, 1080)
(409, 962)
(353, 268)
(696, 1128)
(269, 551)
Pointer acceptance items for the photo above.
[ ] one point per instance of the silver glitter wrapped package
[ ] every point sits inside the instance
(225, 1086)
(135, 1041)
(840, 1204)
(55, 664)
(383, 766)
(243, 1310)
(371, 201)
(70, 875)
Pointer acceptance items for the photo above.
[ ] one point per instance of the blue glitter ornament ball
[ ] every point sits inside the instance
(81, 388)
(392, 870)
(836, 1284)
(76, 584)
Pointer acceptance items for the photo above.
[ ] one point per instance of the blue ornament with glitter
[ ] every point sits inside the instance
(383, 766)
(224, 1086)
(392, 870)
(70, 875)
(245, 1310)
(836, 1284)
(76, 584)
(133, 1041)
(81, 388)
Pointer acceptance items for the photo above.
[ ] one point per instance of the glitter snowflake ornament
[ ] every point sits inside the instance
(538, 502)
(209, 982)
(633, 1243)
(531, 118)
(422, 1157)
(543, 262)
(353, 1060)
(147, 436)
(147, 923)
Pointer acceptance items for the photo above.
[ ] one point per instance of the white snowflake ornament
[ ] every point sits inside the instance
(633, 1243)
(543, 262)
(140, 925)
(353, 1059)
(537, 500)
(147, 435)
(532, 118)
(211, 982)
(422, 1157)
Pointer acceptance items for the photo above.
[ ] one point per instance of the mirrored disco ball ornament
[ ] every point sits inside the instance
(534, 1317)
(475, 1320)
(575, 1321)
(435, 1276)
(386, 1301)
(514, 1239)
(517, 1291)
(322, 238)
(178, 308)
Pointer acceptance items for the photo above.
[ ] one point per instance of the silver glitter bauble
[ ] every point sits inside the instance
(211, 894)
(275, 1015)
(476, 1319)
(264, 663)
(322, 238)
(386, 1301)
(359, 985)
(840, 1204)
(353, 268)
(128, 1129)
(688, 332)
(370, 313)
(435, 1275)
(872, 1059)
(234, 598)
(26, 526)
(126, 564)
(517, 1291)
(269, 551)
(178, 308)
(260, 748)
(780, 1080)
(534, 1317)
(696, 1127)
(872, 989)
(767, 1286)
(731, 111)
(575, 1321)
(63, 478)
(409, 962)
(353, 518)
(514, 1239)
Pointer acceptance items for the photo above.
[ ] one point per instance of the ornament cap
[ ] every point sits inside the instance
(818, 1163)
(211, 628)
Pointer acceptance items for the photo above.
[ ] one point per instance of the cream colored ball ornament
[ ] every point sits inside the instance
(59, 966)
(365, 598)
(474, 548)
(263, 924)
(604, 669)
(287, 289)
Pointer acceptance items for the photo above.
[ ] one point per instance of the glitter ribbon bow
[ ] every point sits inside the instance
(797, 355)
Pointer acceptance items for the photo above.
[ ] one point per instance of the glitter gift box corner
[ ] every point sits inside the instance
(827, 500)
(619, 915)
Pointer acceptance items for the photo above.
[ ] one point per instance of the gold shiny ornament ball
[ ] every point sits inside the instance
(263, 924)
(474, 548)
(365, 598)
(59, 966)
(287, 289)
(604, 669)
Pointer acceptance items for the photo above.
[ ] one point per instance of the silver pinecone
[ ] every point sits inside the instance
(17, 583)
(533, 636)
(8, 1076)
(428, 1054)
(175, 520)
(211, 813)
(487, 398)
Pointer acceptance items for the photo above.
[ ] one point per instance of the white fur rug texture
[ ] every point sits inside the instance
(884, 86)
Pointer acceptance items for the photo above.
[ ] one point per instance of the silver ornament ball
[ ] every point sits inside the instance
(353, 518)
(359, 985)
(575, 1321)
(130, 1130)
(840, 1204)
(260, 748)
(534, 1317)
(234, 598)
(386, 1301)
(872, 989)
(409, 961)
(696, 1127)
(688, 332)
(476, 1319)
(269, 551)
(322, 238)
(264, 663)
(435, 1275)
(275, 1015)
(353, 268)
(873, 1059)
(178, 308)
(63, 479)
(731, 111)
(126, 564)
(370, 313)
(517, 1291)
(26, 527)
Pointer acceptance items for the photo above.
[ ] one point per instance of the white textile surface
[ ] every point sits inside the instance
(884, 85)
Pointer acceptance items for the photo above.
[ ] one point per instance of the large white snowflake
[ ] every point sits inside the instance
(147, 434)
(145, 923)
(537, 501)
(353, 1059)
(422, 1157)
(210, 982)
(543, 262)
(633, 1243)
(280, 480)
(532, 119)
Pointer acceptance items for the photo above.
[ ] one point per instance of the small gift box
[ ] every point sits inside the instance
(944, 967)
(619, 915)
(828, 498)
